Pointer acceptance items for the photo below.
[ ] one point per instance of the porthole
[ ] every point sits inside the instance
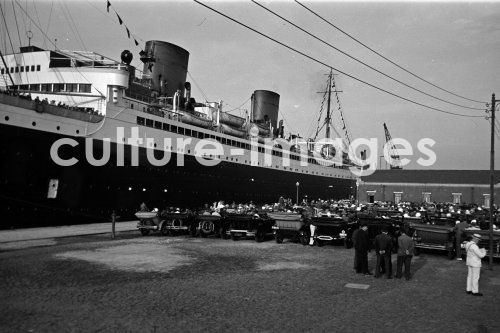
(58, 128)
(33, 123)
(7, 118)
(77, 131)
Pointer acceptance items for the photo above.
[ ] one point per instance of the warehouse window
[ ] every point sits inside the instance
(486, 199)
(397, 197)
(457, 198)
(426, 197)
(370, 196)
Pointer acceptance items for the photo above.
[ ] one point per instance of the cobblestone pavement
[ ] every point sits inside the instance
(174, 284)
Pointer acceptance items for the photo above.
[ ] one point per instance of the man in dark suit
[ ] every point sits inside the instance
(383, 250)
(406, 247)
(361, 248)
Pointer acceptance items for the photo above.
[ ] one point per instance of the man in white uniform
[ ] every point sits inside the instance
(474, 255)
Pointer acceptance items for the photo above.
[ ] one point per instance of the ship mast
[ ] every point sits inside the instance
(328, 120)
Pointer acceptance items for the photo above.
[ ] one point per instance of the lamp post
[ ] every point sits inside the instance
(297, 196)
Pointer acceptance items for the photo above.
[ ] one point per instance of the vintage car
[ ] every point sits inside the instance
(332, 229)
(245, 225)
(207, 224)
(148, 221)
(439, 235)
(176, 222)
(289, 225)
(485, 240)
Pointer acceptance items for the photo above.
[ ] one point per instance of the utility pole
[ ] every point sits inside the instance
(492, 177)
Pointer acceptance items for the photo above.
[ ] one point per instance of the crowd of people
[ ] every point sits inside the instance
(462, 216)
(45, 101)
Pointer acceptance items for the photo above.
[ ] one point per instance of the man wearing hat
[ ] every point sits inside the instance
(383, 250)
(474, 255)
(361, 248)
(406, 247)
(460, 227)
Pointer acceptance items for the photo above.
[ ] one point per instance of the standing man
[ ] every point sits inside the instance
(361, 248)
(383, 250)
(474, 256)
(459, 229)
(353, 239)
(406, 246)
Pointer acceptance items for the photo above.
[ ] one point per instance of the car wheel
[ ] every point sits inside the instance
(144, 232)
(164, 230)
(234, 237)
(304, 238)
(259, 236)
(450, 254)
(319, 242)
(279, 238)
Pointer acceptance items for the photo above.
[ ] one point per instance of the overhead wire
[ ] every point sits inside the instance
(199, 88)
(7, 28)
(383, 57)
(360, 61)
(48, 22)
(17, 25)
(333, 68)
(72, 24)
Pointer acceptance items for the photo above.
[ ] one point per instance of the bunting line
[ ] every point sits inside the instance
(120, 21)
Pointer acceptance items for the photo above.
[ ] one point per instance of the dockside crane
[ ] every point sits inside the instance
(393, 151)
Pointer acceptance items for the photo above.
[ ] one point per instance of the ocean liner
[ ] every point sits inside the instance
(83, 135)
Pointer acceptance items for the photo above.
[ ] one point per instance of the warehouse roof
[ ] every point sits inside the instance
(432, 176)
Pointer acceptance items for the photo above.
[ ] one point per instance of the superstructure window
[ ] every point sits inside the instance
(24, 87)
(71, 87)
(27, 69)
(22, 69)
(157, 124)
(2, 71)
(57, 87)
(12, 69)
(46, 87)
(149, 122)
(32, 68)
(37, 68)
(165, 127)
(140, 121)
(84, 88)
(180, 130)
(34, 87)
(17, 69)
(173, 129)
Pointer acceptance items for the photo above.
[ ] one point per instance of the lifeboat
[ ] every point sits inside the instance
(226, 129)
(228, 119)
(191, 119)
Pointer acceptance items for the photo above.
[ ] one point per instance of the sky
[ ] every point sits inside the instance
(454, 45)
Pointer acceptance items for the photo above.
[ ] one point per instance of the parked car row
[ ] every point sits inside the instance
(434, 233)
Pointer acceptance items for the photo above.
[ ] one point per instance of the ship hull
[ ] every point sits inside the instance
(87, 193)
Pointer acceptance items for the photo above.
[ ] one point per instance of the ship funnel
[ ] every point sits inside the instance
(265, 107)
(167, 65)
